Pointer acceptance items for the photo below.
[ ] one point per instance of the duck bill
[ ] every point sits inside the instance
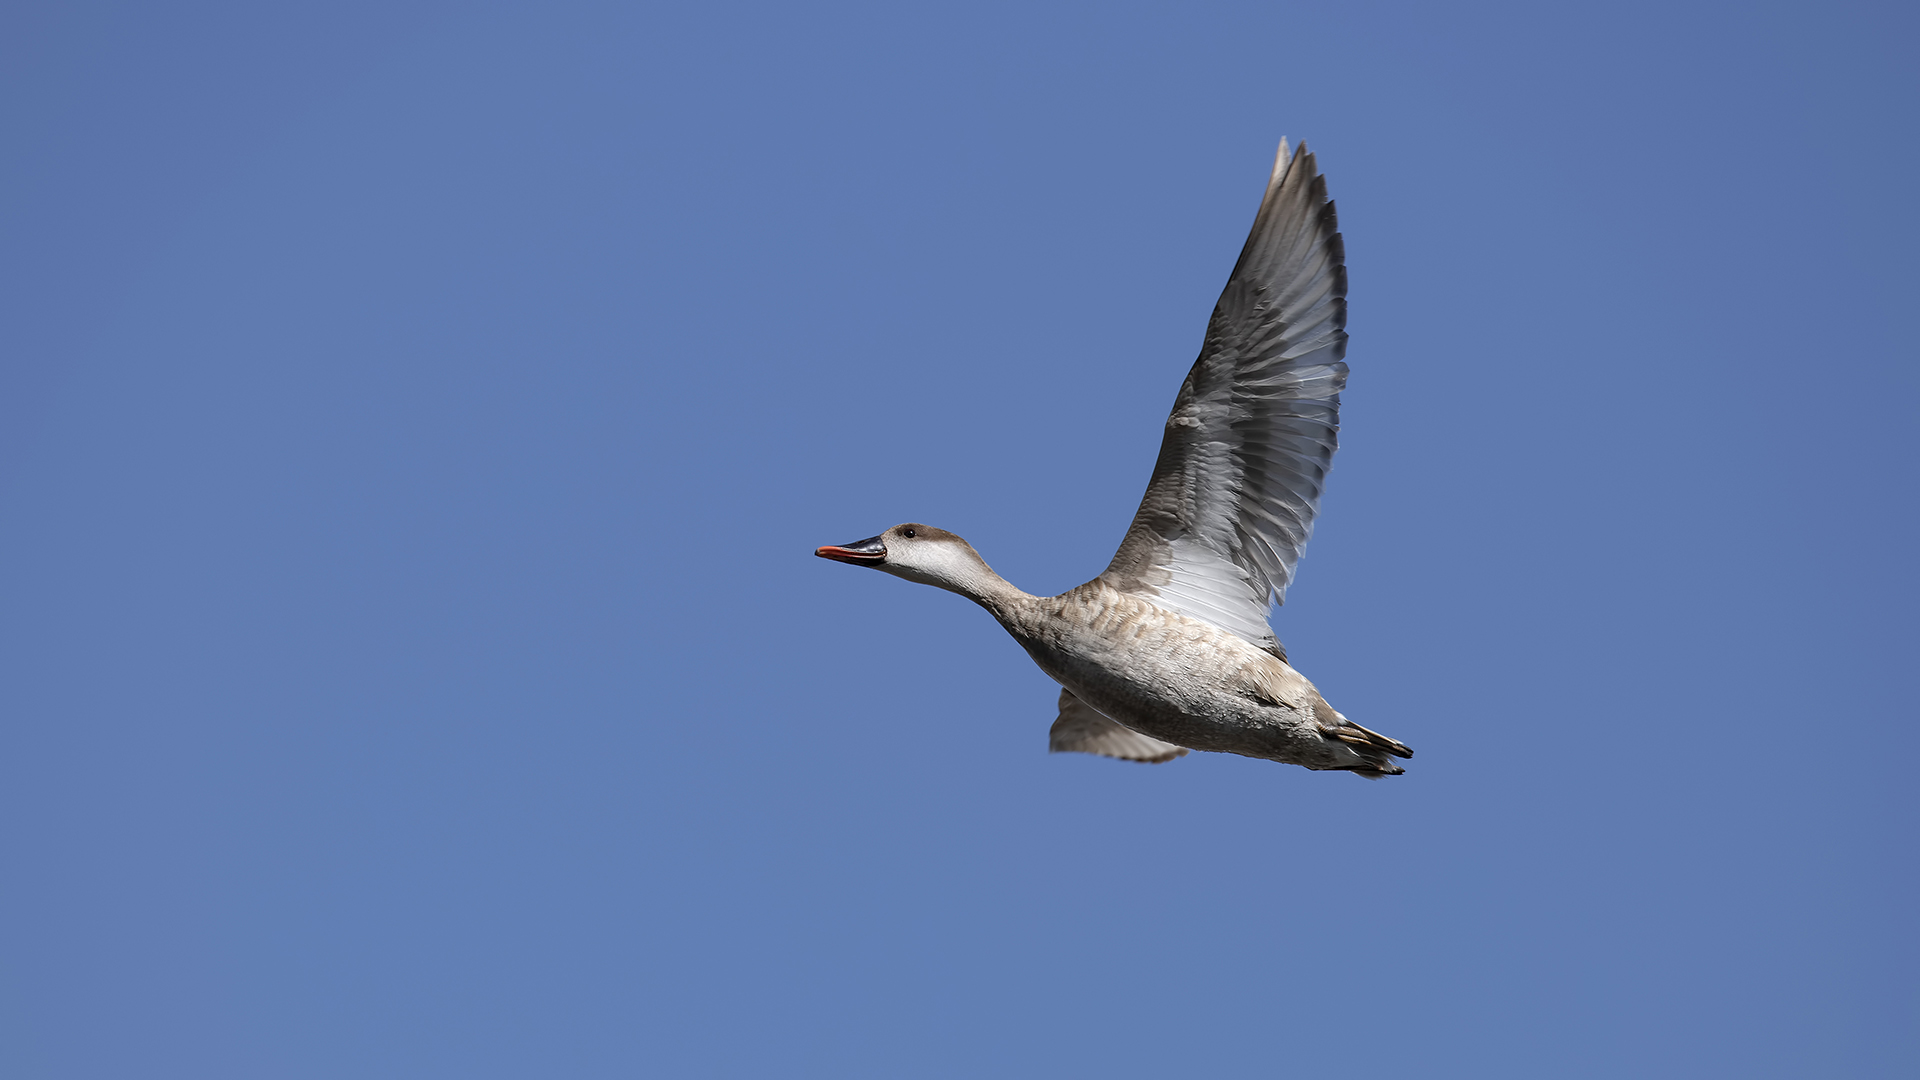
(868, 552)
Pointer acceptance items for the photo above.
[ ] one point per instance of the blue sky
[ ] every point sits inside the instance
(416, 421)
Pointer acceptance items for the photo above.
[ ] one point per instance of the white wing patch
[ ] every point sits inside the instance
(1201, 584)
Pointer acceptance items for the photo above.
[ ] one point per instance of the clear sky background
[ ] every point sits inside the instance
(416, 421)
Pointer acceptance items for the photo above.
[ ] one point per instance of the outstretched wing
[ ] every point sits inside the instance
(1082, 729)
(1247, 447)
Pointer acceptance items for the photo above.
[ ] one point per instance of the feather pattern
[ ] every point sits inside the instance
(1252, 433)
(1082, 729)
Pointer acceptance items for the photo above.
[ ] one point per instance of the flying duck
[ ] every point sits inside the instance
(1169, 649)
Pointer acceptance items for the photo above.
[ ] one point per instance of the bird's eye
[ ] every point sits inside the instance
(907, 532)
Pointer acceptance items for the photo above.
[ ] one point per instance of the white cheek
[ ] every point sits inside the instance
(926, 563)
(939, 559)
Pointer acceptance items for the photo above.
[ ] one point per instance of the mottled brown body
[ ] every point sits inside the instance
(1184, 681)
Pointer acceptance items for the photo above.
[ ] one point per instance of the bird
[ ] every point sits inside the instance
(1170, 649)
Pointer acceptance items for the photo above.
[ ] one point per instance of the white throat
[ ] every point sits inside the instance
(955, 567)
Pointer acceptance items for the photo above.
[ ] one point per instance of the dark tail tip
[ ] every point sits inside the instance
(1356, 736)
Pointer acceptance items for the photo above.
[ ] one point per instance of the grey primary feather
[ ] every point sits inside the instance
(1253, 431)
(1082, 729)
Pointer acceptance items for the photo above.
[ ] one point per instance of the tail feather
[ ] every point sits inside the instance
(1375, 769)
(1354, 735)
(1372, 747)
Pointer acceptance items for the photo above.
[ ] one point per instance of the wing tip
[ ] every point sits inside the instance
(1280, 162)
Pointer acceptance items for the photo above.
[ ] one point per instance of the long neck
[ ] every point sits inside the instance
(993, 592)
(970, 576)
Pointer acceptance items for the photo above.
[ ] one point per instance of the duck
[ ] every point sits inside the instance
(1170, 649)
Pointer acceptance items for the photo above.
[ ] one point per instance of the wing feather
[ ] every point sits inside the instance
(1247, 446)
(1082, 729)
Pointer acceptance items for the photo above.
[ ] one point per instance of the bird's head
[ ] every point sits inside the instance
(919, 553)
